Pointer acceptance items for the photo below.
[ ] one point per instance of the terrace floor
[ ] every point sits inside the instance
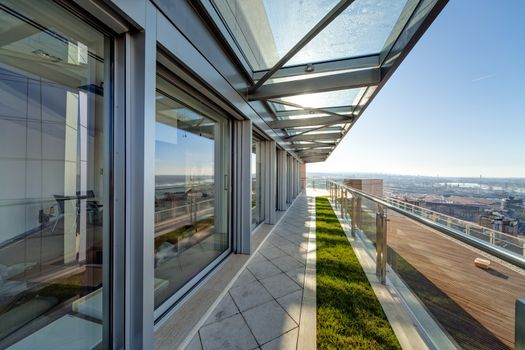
(271, 303)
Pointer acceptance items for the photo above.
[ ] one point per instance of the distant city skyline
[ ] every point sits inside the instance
(456, 105)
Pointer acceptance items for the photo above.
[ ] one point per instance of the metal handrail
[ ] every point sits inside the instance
(456, 220)
(496, 251)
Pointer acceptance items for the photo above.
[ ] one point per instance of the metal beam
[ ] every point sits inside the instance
(305, 154)
(306, 109)
(326, 20)
(293, 123)
(349, 80)
(313, 137)
(315, 145)
(322, 67)
(324, 128)
(317, 112)
(320, 148)
(314, 160)
(323, 157)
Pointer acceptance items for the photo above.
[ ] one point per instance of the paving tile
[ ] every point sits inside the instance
(271, 252)
(292, 304)
(225, 308)
(280, 285)
(287, 341)
(230, 333)
(257, 258)
(287, 263)
(268, 321)
(263, 269)
(278, 241)
(194, 344)
(244, 278)
(297, 275)
(250, 295)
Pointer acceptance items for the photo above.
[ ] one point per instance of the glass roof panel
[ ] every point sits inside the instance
(324, 99)
(362, 29)
(265, 30)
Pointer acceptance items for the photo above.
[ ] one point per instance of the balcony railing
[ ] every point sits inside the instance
(437, 264)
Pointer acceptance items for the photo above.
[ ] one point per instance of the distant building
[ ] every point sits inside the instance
(499, 222)
(467, 212)
(514, 206)
(372, 186)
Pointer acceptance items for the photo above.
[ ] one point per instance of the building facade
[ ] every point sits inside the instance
(137, 154)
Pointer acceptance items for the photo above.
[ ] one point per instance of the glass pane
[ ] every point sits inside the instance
(257, 197)
(323, 99)
(473, 306)
(190, 203)
(361, 30)
(266, 30)
(52, 175)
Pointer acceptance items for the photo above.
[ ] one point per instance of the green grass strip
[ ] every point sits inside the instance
(349, 315)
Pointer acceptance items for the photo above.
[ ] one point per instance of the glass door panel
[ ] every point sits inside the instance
(52, 141)
(191, 204)
(256, 181)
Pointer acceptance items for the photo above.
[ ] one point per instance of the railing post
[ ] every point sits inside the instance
(381, 243)
(519, 334)
(342, 195)
(354, 214)
(358, 212)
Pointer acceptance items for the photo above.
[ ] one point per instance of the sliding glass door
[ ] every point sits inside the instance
(191, 191)
(257, 183)
(53, 132)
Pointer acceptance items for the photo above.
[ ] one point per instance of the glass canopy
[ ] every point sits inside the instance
(317, 64)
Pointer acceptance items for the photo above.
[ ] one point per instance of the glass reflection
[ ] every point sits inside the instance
(256, 169)
(190, 210)
(51, 171)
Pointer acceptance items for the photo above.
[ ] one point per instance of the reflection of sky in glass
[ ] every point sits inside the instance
(189, 154)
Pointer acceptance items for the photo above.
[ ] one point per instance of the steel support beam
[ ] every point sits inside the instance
(313, 137)
(314, 160)
(311, 144)
(314, 121)
(324, 128)
(349, 80)
(323, 67)
(310, 110)
(326, 20)
(344, 110)
(313, 154)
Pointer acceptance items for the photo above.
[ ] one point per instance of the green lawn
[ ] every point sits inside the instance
(349, 315)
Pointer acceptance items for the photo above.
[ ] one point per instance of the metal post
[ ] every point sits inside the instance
(342, 206)
(358, 212)
(354, 214)
(519, 333)
(381, 243)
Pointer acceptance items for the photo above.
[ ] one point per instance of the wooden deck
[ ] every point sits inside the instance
(476, 306)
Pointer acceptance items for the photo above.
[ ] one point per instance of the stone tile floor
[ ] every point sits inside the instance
(262, 309)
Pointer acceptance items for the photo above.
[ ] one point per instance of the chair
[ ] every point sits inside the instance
(92, 206)
(61, 208)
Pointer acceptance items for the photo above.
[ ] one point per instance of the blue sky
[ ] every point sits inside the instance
(178, 152)
(455, 106)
